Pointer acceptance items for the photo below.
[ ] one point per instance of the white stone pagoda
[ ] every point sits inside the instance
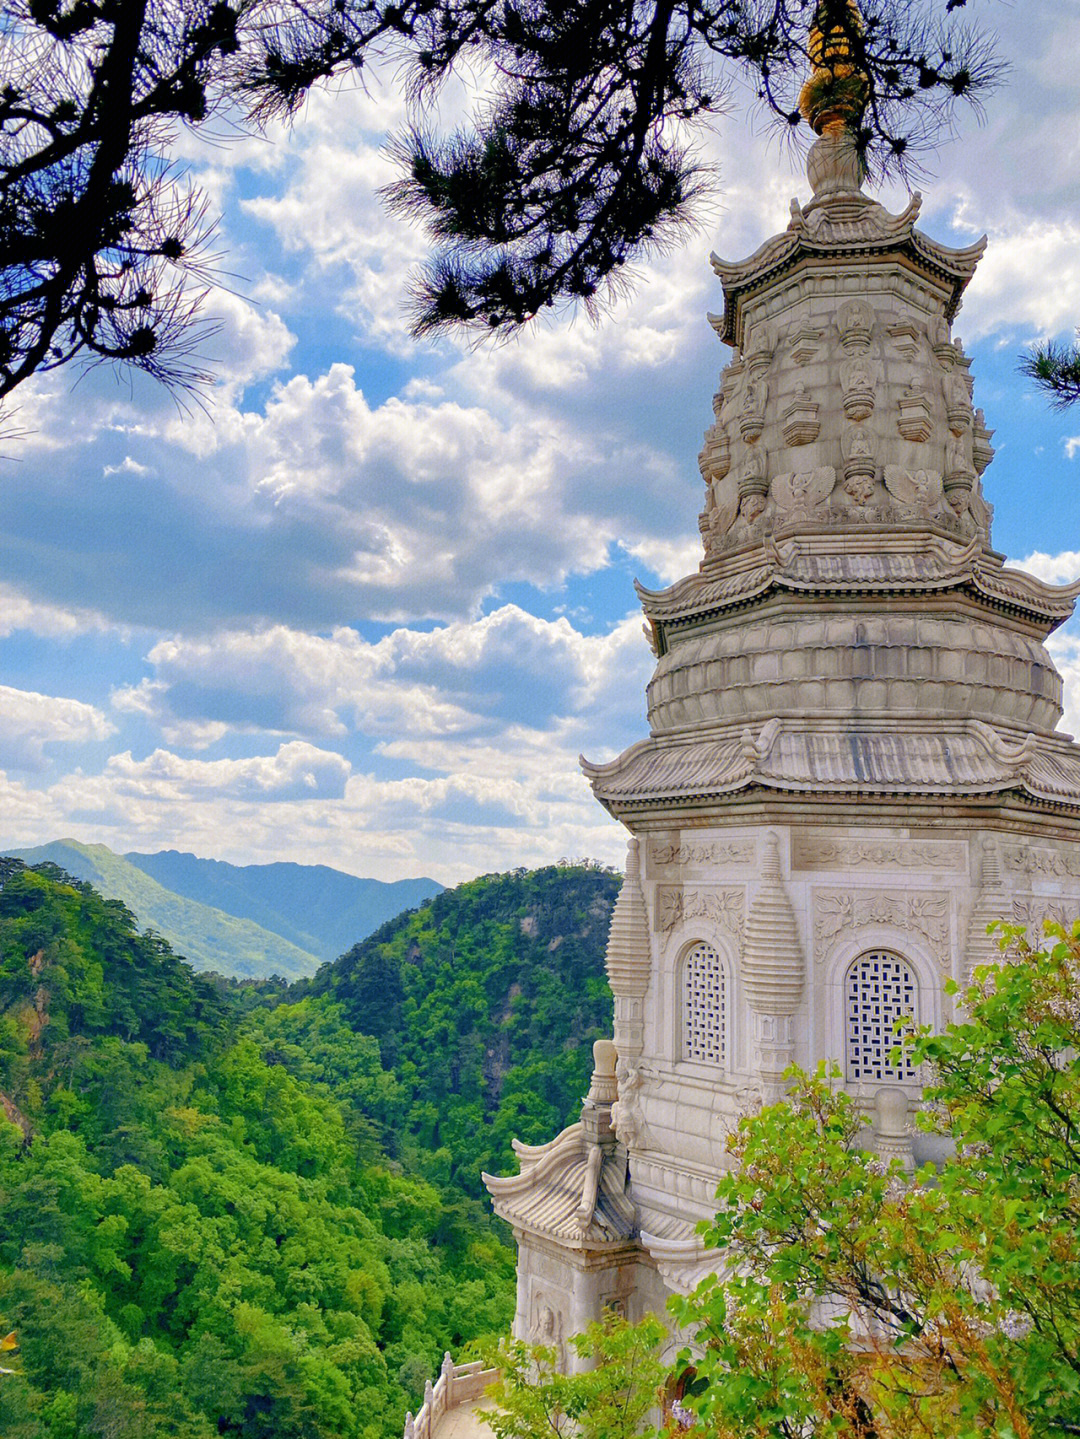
(852, 764)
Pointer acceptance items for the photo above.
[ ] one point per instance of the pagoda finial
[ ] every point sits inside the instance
(833, 99)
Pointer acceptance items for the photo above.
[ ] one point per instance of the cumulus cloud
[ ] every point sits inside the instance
(1064, 647)
(464, 679)
(29, 721)
(19, 611)
(476, 728)
(298, 771)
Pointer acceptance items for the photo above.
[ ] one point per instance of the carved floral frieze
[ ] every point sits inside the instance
(722, 907)
(1049, 863)
(739, 851)
(810, 852)
(837, 912)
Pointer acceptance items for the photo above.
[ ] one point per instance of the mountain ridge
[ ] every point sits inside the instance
(318, 908)
(229, 936)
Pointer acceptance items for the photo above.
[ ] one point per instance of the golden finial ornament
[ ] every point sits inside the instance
(834, 96)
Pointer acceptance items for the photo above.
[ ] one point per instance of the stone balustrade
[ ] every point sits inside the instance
(457, 1384)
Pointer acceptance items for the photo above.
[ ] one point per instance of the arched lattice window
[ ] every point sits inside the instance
(704, 1006)
(880, 989)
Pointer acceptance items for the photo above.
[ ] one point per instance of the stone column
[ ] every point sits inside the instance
(773, 974)
(629, 971)
(991, 902)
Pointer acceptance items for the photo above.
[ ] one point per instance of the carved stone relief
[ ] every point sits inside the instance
(715, 458)
(958, 461)
(752, 411)
(914, 422)
(982, 451)
(626, 1116)
(957, 386)
(725, 504)
(800, 419)
(919, 488)
(855, 322)
(804, 489)
(858, 377)
(905, 336)
(924, 912)
(546, 1323)
(722, 907)
(805, 344)
(1032, 909)
(740, 851)
(1049, 863)
(752, 475)
(813, 852)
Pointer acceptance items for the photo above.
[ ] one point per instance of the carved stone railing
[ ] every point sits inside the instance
(457, 1384)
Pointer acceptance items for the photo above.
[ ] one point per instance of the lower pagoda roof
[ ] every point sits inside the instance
(960, 758)
(819, 566)
(551, 1196)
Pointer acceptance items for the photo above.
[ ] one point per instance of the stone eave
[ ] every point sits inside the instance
(703, 597)
(544, 1198)
(958, 760)
(875, 234)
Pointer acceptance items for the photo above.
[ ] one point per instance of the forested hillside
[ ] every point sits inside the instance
(224, 1210)
(485, 1003)
(252, 920)
(208, 937)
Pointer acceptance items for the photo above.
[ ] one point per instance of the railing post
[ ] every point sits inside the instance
(448, 1376)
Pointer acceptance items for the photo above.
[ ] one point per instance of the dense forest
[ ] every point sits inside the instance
(251, 1209)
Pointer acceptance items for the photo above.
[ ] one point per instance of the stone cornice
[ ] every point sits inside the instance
(949, 760)
(821, 566)
(859, 226)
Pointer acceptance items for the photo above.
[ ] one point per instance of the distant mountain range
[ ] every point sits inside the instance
(253, 920)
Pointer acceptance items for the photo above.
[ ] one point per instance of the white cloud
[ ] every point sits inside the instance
(669, 559)
(1029, 278)
(297, 771)
(1059, 569)
(29, 721)
(1071, 446)
(331, 212)
(127, 466)
(18, 611)
(468, 678)
(1064, 647)
(487, 718)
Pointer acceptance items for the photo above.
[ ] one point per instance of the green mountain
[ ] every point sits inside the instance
(485, 1002)
(318, 909)
(201, 1235)
(207, 936)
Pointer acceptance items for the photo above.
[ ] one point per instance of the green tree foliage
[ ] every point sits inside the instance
(201, 1233)
(862, 1303)
(1056, 370)
(612, 1399)
(485, 1003)
(580, 162)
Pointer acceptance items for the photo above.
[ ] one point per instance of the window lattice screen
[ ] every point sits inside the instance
(704, 1005)
(880, 990)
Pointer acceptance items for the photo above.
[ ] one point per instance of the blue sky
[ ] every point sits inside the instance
(369, 609)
